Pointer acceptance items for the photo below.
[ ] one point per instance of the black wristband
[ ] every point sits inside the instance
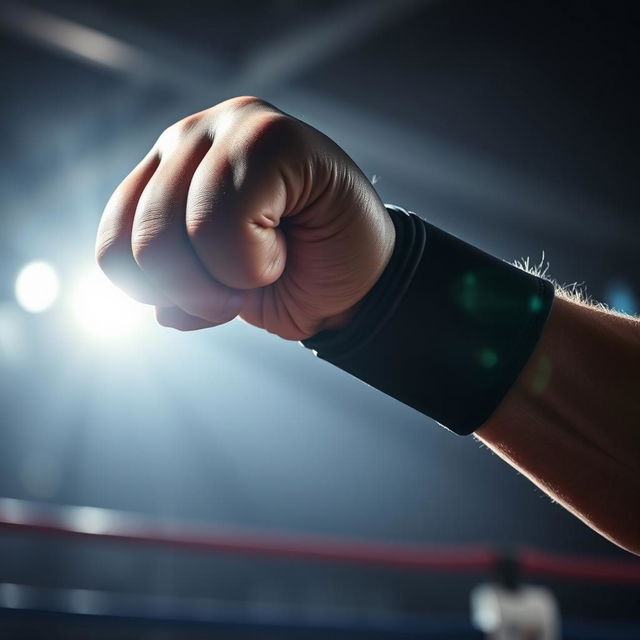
(446, 329)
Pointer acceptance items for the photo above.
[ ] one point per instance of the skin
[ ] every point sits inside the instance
(242, 210)
(571, 421)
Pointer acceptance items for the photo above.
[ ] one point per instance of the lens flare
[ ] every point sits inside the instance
(102, 310)
(37, 287)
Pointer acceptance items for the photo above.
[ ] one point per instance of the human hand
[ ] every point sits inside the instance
(243, 210)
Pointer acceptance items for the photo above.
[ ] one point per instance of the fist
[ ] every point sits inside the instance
(243, 210)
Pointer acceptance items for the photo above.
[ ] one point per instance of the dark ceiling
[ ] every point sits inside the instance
(511, 124)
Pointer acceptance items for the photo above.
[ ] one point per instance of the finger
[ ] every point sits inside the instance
(233, 212)
(161, 246)
(176, 318)
(113, 242)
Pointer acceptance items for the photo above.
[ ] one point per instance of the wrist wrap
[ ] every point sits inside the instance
(446, 329)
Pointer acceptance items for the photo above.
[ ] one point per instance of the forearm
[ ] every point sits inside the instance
(571, 421)
(552, 385)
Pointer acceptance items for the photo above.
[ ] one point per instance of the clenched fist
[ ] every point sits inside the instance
(243, 210)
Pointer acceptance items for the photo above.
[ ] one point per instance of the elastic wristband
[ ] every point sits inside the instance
(446, 329)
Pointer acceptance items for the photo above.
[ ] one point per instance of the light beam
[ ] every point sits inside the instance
(104, 311)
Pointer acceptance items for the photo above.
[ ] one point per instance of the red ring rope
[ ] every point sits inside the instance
(106, 524)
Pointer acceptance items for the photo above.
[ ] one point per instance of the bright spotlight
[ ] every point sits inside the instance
(37, 287)
(102, 310)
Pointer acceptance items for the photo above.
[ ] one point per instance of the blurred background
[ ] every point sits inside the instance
(511, 124)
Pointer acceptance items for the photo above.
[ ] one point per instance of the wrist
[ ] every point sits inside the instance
(446, 329)
(384, 251)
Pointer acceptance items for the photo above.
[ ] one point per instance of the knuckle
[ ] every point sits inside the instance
(239, 102)
(188, 124)
(238, 114)
(270, 125)
(178, 131)
(270, 133)
(170, 133)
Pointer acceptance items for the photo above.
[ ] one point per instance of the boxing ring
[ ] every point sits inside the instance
(109, 527)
